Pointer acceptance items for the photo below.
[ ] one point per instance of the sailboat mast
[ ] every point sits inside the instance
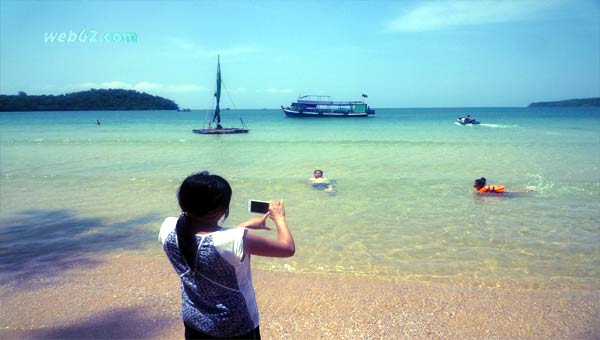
(217, 116)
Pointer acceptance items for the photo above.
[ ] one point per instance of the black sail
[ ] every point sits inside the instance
(217, 115)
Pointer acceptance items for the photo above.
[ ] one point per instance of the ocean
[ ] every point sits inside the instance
(404, 207)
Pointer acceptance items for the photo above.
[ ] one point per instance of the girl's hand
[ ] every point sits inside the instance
(283, 246)
(276, 210)
(256, 223)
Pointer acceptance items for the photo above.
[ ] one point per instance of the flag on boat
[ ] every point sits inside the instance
(365, 96)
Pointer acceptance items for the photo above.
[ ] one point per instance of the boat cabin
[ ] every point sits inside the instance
(308, 107)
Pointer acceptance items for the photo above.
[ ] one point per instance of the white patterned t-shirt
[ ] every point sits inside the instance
(217, 295)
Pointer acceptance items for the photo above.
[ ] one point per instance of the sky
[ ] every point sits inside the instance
(400, 53)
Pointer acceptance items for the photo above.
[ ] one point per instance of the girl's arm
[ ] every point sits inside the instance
(283, 246)
(256, 223)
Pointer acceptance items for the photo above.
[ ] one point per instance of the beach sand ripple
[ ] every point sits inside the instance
(136, 295)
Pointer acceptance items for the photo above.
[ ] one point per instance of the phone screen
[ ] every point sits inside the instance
(258, 206)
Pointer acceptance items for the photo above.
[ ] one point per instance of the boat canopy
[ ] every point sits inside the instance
(315, 100)
(321, 102)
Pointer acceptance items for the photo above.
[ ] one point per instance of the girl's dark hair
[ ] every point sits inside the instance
(481, 181)
(199, 194)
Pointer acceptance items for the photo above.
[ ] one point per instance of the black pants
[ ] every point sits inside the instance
(191, 333)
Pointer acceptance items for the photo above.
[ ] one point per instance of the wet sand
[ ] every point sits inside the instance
(137, 296)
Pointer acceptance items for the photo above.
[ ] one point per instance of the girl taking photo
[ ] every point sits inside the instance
(213, 262)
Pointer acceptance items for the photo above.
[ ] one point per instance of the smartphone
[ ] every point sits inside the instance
(255, 206)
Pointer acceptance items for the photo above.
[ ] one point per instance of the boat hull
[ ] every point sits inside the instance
(474, 122)
(223, 131)
(305, 114)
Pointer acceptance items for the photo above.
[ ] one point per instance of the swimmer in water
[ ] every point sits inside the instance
(481, 187)
(321, 183)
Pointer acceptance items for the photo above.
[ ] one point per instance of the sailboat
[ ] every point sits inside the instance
(216, 118)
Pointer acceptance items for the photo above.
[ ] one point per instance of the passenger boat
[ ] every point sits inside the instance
(322, 106)
(216, 117)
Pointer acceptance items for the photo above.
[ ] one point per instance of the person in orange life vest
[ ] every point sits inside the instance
(483, 188)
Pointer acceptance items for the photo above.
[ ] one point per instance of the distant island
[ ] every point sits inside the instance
(569, 102)
(111, 99)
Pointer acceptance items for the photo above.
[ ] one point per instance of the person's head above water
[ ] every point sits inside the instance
(203, 194)
(479, 183)
(318, 173)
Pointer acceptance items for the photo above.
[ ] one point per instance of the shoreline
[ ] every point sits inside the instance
(132, 295)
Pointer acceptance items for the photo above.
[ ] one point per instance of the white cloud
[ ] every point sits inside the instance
(115, 85)
(184, 88)
(195, 50)
(440, 15)
(87, 85)
(142, 86)
(235, 51)
(147, 86)
(181, 43)
(278, 90)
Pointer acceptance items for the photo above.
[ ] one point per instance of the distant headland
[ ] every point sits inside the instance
(569, 102)
(94, 99)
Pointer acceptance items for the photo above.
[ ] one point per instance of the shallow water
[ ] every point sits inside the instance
(404, 205)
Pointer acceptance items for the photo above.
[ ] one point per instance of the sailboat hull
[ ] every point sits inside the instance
(223, 131)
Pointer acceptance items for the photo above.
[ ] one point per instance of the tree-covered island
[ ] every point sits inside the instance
(569, 102)
(94, 99)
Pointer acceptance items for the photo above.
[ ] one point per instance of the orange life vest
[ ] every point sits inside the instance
(491, 188)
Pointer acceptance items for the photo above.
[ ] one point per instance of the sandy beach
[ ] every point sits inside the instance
(136, 295)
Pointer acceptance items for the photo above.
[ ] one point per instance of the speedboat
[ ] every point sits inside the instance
(467, 121)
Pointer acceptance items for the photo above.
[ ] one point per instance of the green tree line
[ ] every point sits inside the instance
(94, 99)
(569, 102)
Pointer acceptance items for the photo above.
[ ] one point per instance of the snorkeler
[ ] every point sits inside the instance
(482, 188)
(321, 183)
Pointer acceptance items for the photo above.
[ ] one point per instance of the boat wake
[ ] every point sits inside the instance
(459, 124)
(500, 126)
(538, 183)
(493, 126)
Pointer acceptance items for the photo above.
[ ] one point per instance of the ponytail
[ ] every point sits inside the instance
(186, 240)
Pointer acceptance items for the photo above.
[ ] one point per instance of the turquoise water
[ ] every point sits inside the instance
(404, 205)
